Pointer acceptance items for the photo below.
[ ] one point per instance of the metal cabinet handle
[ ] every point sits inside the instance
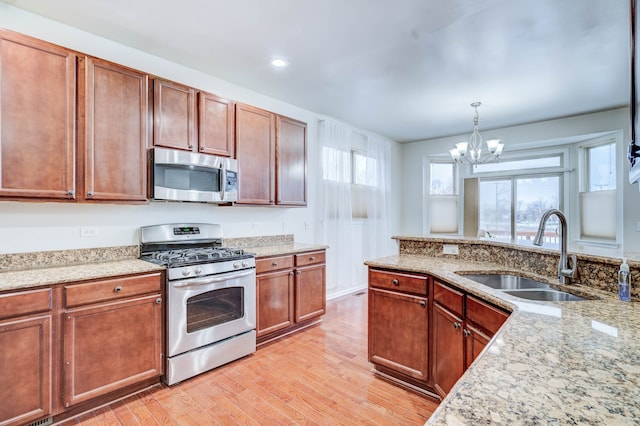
(456, 325)
(291, 273)
(71, 193)
(312, 258)
(90, 194)
(274, 264)
(118, 289)
(395, 282)
(158, 300)
(423, 303)
(466, 332)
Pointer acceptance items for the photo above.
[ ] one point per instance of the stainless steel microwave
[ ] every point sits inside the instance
(190, 176)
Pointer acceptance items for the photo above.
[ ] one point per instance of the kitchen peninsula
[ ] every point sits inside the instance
(558, 362)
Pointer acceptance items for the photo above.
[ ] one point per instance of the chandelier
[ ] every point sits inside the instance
(471, 152)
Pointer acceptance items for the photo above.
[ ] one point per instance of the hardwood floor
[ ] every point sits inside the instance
(318, 376)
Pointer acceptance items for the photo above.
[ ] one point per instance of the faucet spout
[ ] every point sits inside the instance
(565, 271)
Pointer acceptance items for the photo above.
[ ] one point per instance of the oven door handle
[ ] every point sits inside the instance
(212, 280)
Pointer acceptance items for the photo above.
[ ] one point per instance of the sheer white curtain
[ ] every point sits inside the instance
(378, 242)
(334, 194)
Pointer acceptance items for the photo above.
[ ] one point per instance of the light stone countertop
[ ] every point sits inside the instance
(282, 249)
(22, 279)
(560, 363)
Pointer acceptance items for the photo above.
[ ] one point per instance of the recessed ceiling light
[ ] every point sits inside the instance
(279, 63)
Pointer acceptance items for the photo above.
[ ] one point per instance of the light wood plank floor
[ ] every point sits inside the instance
(316, 377)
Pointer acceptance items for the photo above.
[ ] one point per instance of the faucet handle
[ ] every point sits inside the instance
(571, 272)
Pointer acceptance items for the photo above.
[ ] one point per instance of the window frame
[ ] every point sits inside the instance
(582, 186)
(426, 192)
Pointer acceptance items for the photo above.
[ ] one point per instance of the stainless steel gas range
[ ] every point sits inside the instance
(211, 297)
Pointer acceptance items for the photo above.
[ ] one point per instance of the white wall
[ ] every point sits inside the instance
(26, 226)
(545, 133)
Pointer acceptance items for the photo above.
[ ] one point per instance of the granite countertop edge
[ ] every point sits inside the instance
(557, 363)
(37, 277)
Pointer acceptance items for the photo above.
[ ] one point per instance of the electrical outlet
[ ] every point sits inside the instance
(450, 249)
(88, 231)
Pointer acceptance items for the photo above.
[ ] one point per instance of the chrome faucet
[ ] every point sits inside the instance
(564, 270)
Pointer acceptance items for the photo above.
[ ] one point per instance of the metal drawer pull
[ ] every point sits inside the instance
(274, 264)
(312, 258)
(423, 303)
(158, 300)
(395, 282)
(118, 289)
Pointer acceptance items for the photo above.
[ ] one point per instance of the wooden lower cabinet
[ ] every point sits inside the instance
(274, 302)
(462, 326)
(111, 345)
(423, 333)
(25, 369)
(70, 347)
(399, 332)
(290, 293)
(448, 349)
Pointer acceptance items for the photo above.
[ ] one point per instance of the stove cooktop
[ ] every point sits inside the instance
(194, 256)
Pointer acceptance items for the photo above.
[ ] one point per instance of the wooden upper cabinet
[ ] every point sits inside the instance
(216, 120)
(37, 118)
(174, 120)
(116, 131)
(255, 152)
(291, 162)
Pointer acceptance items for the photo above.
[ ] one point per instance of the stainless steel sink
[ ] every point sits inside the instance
(546, 295)
(524, 288)
(506, 282)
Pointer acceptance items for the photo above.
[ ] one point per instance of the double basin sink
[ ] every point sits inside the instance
(524, 288)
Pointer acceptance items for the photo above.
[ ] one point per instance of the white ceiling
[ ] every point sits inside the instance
(406, 69)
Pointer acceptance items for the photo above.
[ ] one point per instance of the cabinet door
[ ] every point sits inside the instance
(274, 294)
(37, 118)
(25, 370)
(399, 332)
(448, 349)
(474, 340)
(291, 162)
(216, 120)
(310, 291)
(111, 345)
(116, 132)
(255, 152)
(174, 120)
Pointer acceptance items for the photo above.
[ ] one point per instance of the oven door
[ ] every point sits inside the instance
(209, 309)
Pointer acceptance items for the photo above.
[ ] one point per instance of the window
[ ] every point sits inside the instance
(443, 198)
(335, 165)
(598, 195)
(364, 169)
(510, 208)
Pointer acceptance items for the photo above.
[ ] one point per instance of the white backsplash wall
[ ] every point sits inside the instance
(57, 226)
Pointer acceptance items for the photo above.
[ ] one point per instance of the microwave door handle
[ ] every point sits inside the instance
(223, 183)
(212, 280)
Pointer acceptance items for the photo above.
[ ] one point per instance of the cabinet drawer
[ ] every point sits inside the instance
(486, 316)
(405, 283)
(117, 288)
(25, 303)
(270, 264)
(451, 299)
(309, 258)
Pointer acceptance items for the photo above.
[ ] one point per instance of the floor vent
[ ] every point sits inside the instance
(43, 422)
(360, 293)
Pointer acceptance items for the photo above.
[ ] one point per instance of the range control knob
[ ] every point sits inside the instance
(236, 265)
(198, 271)
(186, 272)
(245, 264)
